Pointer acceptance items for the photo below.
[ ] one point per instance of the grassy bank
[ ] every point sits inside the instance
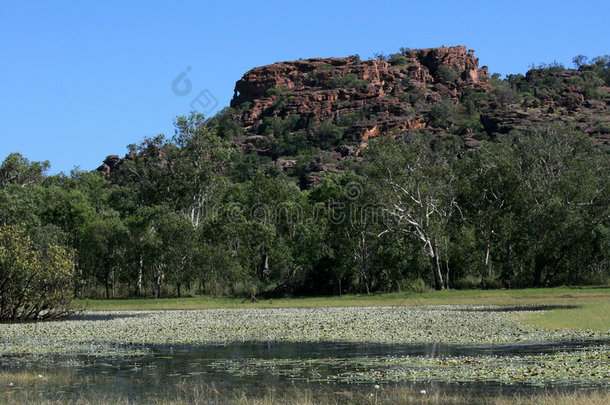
(590, 315)
(586, 308)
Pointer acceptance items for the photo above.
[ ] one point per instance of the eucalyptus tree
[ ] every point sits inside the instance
(352, 225)
(489, 195)
(103, 249)
(198, 170)
(16, 169)
(416, 185)
(179, 249)
(94, 186)
(270, 218)
(565, 196)
(143, 176)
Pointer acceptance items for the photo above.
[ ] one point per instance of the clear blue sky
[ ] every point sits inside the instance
(82, 79)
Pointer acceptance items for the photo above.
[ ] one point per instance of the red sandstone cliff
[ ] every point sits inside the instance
(325, 89)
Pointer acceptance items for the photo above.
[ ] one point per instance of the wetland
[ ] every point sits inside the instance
(137, 356)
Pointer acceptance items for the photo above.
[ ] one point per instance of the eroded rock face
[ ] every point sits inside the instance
(315, 116)
(110, 164)
(373, 93)
(113, 163)
(360, 99)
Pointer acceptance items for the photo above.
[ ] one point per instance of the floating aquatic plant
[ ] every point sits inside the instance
(584, 366)
(125, 330)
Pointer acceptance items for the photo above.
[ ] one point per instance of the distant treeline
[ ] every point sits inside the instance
(189, 215)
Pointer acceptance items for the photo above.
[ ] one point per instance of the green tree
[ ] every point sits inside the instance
(441, 112)
(198, 171)
(33, 284)
(103, 251)
(352, 226)
(489, 186)
(564, 194)
(178, 244)
(16, 169)
(416, 187)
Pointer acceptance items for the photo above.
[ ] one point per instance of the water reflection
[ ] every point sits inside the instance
(160, 371)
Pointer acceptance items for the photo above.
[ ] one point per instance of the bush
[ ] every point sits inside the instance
(441, 111)
(504, 92)
(348, 81)
(448, 73)
(226, 126)
(275, 91)
(418, 285)
(398, 59)
(471, 124)
(602, 127)
(33, 285)
(328, 134)
(467, 282)
(349, 119)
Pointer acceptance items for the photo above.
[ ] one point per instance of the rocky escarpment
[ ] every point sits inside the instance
(310, 117)
(580, 97)
(337, 104)
(365, 97)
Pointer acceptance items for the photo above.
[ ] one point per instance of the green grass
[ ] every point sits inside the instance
(592, 304)
(594, 316)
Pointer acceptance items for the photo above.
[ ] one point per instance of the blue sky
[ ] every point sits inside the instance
(82, 79)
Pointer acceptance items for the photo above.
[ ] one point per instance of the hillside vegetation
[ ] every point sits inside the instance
(332, 176)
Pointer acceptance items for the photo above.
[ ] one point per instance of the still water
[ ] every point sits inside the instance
(157, 373)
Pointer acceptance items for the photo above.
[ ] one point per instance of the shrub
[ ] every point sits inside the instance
(272, 91)
(504, 93)
(448, 73)
(348, 81)
(602, 127)
(275, 91)
(418, 285)
(398, 59)
(325, 66)
(33, 285)
(470, 124)
(441, 111)
(225, 124)
(348, 119)
(328, 134)
(413, 95)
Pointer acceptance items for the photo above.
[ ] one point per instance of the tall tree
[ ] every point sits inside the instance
(564, 194)
(103, 249)
(488, 187)
(197, 173)
(416, 186)
(16, 169)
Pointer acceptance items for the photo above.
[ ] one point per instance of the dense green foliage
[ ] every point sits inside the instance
(529, 209)
(197, 213)
(33, 284)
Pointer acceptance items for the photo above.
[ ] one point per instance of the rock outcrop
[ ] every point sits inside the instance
(110, 164)
(314, 116)
(341, 89)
